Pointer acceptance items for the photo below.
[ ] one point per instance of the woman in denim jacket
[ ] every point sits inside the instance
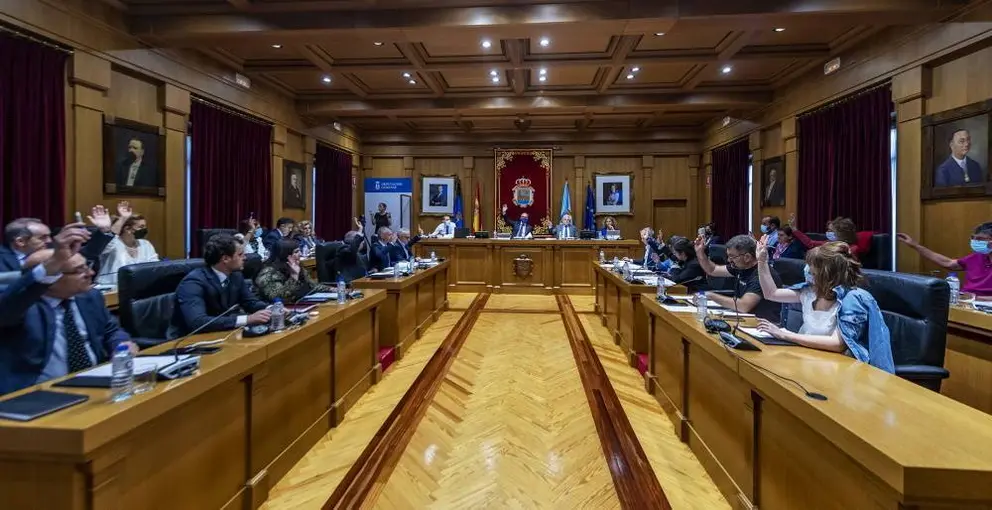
(838, 315)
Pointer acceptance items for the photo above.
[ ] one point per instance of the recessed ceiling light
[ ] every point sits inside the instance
(542, 78)
(659, 34)
(543, 71)
(413, 82)
(495, 79)
(635, 69)
(406, 75)
(486, 43)
(545, 42)
(726, 69)
(780, 30)
(494, 73)
(630, 76)
(326, 79)
(378, 43)
(277, 46)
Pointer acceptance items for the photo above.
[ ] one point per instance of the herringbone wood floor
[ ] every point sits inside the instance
(509, 428)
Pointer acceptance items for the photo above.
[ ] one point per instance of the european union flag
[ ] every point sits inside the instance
(589, 221)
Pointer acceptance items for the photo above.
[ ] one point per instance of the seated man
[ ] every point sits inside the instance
(284, 227)
(209, 292)
(977, 265)
(518, 229)
(647, 237)
(352, 261)
(742, 266)
(402, 247)
(25, 236)
(446, 229)
(770, 226)
(565, 230)
(52, 321)
(381, 257)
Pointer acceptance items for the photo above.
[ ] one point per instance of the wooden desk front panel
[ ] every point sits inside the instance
(667, 358)
(574, 269)
(541, 273)
(425, 303)
(355, 359)
(968, 357)
(471, 265)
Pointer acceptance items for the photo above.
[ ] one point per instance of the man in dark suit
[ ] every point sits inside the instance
(402, 247)
(439, 195)
(134, 170)
(284, 227)
(51, 320)
(295, 191)
(206, 293)
(958, 169)
(381, 256)
(566, 229)
(520, 228)
(774, 190)
(26, 236)
(352, 260)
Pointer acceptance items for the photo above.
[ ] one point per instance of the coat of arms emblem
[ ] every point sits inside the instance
(523, 266)
(523, 193)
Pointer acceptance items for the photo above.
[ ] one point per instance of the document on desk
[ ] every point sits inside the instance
(731, 313)
(388, 272)
(756, 333)
(140, 363)
(679, 308)
(320, 297)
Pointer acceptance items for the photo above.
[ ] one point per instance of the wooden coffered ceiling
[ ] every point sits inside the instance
(396, 66)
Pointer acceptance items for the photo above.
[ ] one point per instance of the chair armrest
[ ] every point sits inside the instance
(922, 372)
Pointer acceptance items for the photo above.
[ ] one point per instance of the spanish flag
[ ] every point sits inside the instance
(476, 212)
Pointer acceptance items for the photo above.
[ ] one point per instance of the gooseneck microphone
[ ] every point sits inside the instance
(175, 345)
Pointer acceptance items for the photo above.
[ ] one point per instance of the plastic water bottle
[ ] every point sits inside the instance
(396, 270)
(602, 256)
(342, 291)
(661, 288)
(701, 306)
(955, 285)
(122, 374)
(433, 257)
(278, 320)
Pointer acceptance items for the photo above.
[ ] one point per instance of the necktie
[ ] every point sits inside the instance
(447, 229)
(964, 168)
(76, 346)
(224, 283)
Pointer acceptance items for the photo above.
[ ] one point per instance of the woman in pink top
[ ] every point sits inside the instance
(977, 265)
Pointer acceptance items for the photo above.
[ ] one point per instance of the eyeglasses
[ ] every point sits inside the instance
(733, 258)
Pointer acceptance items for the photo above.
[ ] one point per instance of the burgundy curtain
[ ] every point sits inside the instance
(231, 170)
(730, 164)
(32, 131)
(844, 162)
(332, 193)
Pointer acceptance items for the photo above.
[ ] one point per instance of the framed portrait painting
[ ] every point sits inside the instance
(613, 193)
(437, 195)
(773, 182)
(133, 158)
(294, 185)
(956, 152)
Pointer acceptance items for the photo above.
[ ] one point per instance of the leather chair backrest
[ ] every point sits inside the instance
(206, 233)
(146, 293)
(879, 254)
(790, 270)
(717, 253)
(253, 266)
(325, 259)
(915, 309)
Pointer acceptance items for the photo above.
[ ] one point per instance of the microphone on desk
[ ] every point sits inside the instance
(175, 345)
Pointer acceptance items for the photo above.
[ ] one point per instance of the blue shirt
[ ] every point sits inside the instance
(773, 239)
(862, 327)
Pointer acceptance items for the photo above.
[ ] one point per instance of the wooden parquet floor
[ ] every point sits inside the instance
(510, 426)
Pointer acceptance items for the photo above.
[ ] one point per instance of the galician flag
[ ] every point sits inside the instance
(566, 201)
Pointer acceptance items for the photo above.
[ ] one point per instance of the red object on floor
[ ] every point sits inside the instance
(387, 355)
(642, 362)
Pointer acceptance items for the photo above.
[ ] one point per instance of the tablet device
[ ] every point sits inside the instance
(36, 404)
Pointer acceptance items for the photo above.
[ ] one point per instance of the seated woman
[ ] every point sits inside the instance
(308, 241)
(788, 247)
(977, 265)
(838, 229)
(128, 247)
(685, 269)
(282, 277)
(609, 223)
(250, 234)
(838, 315)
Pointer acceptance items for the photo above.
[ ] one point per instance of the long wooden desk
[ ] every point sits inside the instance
(412, 304)
(111, 300)
(877, 442)
(491, 265)
(968, 356)
(619, 305)
(218, 439)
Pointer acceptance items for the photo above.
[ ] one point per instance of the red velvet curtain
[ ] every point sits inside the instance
(332, 193)
(231, 170)
(523, 166)
(729, 207)
(32, 131)
(844, 162)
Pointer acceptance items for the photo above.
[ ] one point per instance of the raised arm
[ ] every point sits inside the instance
(704, 260)
(768, 287)
(123, 213)
(941, 260)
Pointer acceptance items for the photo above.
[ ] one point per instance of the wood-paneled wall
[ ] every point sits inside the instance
(665, 187)
(933, 69)
(111, 73)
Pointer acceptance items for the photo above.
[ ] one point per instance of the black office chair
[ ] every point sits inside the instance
(147, 295)
(717, 253)
(206, 233)
(879, 254)
(324, 258)
(253, 266)
(790, 270)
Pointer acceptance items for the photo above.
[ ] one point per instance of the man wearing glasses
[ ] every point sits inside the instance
(52, 321)
(742, 270)
(24, 237)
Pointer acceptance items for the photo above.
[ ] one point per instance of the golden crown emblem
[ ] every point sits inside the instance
(523, 182)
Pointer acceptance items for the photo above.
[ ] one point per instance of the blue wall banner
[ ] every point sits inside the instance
(388, 203)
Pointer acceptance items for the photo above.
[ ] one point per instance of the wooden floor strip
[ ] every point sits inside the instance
(379, 458)
(635, 482)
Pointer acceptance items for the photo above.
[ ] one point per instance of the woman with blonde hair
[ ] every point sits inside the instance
(838, 315)
(304, 236)
(609, 223)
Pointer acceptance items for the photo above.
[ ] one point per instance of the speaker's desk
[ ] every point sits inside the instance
(525, 266)
(968, 356)
(877, 442)
(412, 304)
(218, 439)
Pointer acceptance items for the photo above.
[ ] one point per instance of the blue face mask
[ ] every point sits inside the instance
(764, 229)
(980, 247)
(831, 236)
(807, 274)
(523, 220)
(258, 232)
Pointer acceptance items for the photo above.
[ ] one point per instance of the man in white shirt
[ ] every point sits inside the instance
(446, 229)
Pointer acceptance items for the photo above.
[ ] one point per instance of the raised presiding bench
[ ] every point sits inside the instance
(877, 441)
(412, 304)
(968, 358)
(217, 439)
(525, 266)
